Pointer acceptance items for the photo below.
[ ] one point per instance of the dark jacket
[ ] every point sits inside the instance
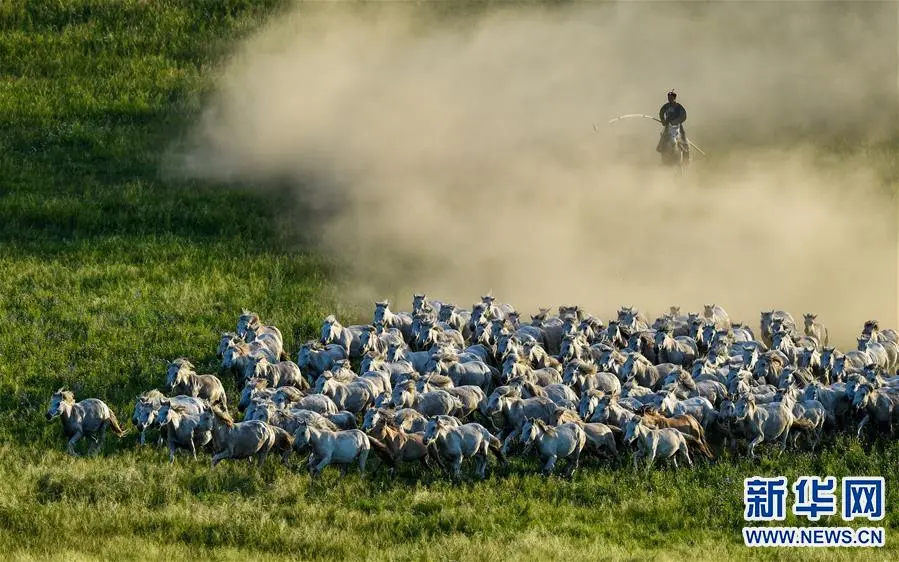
(672, 112)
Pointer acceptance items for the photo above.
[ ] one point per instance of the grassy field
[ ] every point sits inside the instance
(109, 270)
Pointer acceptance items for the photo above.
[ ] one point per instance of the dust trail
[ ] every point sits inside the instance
(456, 155)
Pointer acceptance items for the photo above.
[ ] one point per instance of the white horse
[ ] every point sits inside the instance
(566, 441)
(88, 417)
(652, 443)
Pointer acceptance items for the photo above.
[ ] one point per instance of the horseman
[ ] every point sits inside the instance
(673, 113)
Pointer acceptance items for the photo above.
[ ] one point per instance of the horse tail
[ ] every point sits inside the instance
(381, 450)
(283, 439)
(803, 423)
(458, 405)
(496, 447)
(701, 432)
(698, 445)
(618, 434)
(114, 424)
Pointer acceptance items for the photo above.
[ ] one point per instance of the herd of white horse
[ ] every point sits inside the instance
(441, 384)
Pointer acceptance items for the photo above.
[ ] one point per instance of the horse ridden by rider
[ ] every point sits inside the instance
(673, 113)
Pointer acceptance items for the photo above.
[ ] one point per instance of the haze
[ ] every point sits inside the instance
(456, 156)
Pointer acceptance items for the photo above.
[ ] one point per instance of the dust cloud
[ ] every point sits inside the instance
(456, 154)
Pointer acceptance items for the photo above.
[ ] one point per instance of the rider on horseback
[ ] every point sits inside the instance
(675, 114)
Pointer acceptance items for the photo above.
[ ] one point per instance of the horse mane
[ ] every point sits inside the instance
(180, 408)
(515, 356)
(448, 355)
(222, 416)
(507, 390)
(648, 410)
(545, 427)
(258, 382)
(374, 355)
(258, 355)
(183, 362)
(532, 387)
(286, 390)
(388, 420)
(585, 368)
(154, 393)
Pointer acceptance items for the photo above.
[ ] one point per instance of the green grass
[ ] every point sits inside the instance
(109, 270)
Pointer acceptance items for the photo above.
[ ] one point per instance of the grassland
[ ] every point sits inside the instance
(108, 270)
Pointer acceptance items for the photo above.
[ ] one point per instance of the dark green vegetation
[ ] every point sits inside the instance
(108, 270)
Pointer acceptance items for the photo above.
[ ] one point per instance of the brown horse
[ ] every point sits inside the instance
(402, 446)
(685, 424)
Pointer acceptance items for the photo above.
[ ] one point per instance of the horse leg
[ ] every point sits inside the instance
(310, 462)
(442, 462)
(487, 419)
(864, 422)
(70, 448)
(325, 461)
(572, 465)
(549, 465)
(261, 456)
(652, 456)
(378, 468)
(171, 452)
(732, 441)
(686, 452)
(481, 463)
(219, 457)
(363, 458)
(193, 448)
(638, 455)
(457, 469)
(754, 443)
(92, 447)
(508, 441)
(783, 441)
(426, 461)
